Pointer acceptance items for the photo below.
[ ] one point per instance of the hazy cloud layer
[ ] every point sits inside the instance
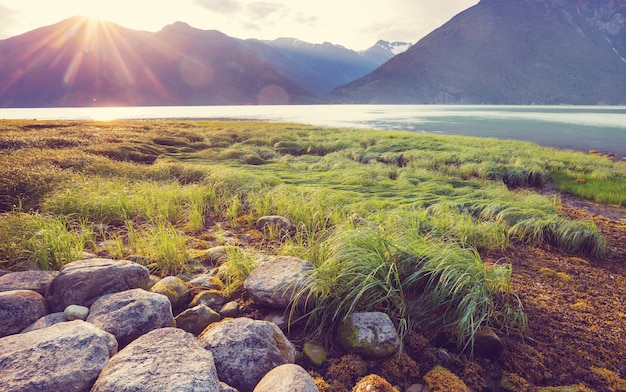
(7, 20)
(226, 7)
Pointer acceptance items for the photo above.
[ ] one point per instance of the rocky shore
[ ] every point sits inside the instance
(108, 325)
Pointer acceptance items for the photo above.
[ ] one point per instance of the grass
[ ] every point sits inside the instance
(392, 221)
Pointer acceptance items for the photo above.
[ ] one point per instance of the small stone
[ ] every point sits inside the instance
(175, 289)
(212, 298)
(279, 318)
(444, 356)
(279, 223)
(370, 334)
(373, 383)
(488, 344)
(315, 353)
(196, 319)
(415, 388)
(286, 378)
(230, 309)
(76, 312)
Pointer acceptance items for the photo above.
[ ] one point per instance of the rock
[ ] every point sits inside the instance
(129, 314)
(175, 289)
(206, 282)
(163, 360)
(211, 298)
(216, 255)
(444, 356)
(415, 388)
(275, 282)
(19, 309)
(46, 321)
(82, 282)
(227, 388)
(28, 280)
(370, 334)
(280, 224)
(487, 343)
(76, 312)
(315, 353)
(287, 378)
(373, 383)
(196, 319)
(64, 357)
(441, 379)
(278, 317)
(152, 280)
(245, 350)
(230, 309)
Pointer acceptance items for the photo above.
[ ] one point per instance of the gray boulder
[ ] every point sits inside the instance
(275, 282)
(64, 357)
(287, 378)
(196, 319)
(370, 334)
(245, 350)
(82, 282)
(129, 314)
(19, 309)
(46, 321)
(28, 280)
(163, 360)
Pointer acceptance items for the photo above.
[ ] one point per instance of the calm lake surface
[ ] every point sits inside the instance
(582, 128)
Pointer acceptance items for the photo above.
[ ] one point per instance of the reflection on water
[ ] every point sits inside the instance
(583, 128)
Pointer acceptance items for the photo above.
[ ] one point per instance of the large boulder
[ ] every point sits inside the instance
(275, 282)
(28, 280)
(245, 350)
(163, 360)
(287, 378)
(64, 357)
(46, 321)
(370, 334)
(19, 309)
(83, 282)
(129, 314)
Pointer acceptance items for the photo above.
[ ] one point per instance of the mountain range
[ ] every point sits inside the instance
(496, 52)
(509, 52)
(83, 62)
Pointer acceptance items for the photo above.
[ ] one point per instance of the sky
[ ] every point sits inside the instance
(355, 24)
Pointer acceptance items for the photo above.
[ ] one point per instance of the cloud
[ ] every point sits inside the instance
(227, 7)
(7, 20)
(263, 10)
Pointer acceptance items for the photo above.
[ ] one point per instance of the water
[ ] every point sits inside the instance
(582, 128)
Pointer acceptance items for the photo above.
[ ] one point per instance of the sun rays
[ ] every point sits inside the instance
(87, 58)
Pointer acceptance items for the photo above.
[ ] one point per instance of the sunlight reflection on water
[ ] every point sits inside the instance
(601, 128)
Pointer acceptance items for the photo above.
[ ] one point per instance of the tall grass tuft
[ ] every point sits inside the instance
(413, 279)
(46, 241)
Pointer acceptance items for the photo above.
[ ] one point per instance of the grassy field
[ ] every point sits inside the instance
(392, 221)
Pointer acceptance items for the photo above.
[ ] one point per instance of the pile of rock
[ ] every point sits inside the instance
(105, 325)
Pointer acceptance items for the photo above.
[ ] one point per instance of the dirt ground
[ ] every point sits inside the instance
(576, 309)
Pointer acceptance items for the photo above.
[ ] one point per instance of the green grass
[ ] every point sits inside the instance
(392, 221)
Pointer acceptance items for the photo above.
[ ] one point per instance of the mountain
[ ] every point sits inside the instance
(509, 52)
(384, 50)
(82, 62)
(322, 67)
